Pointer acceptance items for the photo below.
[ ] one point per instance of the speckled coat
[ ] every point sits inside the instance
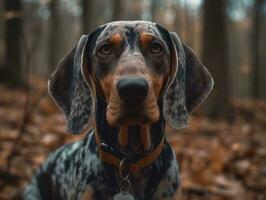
(75, 171)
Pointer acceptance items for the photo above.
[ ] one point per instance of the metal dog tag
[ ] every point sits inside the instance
(123, 196)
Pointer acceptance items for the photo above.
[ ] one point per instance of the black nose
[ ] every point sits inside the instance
(132, 90)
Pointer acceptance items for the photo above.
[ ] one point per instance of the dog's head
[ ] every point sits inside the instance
(138, 68)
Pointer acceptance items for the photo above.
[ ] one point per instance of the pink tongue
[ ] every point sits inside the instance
(144, 136)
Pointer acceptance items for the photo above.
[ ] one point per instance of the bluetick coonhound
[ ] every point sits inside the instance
(128, 78)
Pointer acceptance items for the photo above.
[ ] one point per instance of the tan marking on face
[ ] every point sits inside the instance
(157, 84)
(106, 85)
(145, 39)
(151, 106)
(113, 110)
(116, 40)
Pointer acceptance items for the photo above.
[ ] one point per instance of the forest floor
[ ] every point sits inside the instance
(218, 160)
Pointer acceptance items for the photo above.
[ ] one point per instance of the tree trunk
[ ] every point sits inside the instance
(263, 52)
(54, 35)
(137, 12)
(215, 57)
(258, 76)
(153, 9)
(179, 21)
(117, 10)
(189, 27)
(87, 8)
(1, 34)
(12, 71)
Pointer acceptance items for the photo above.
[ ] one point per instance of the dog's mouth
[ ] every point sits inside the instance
(134, 123)
(134, 140)
(132, 114)
(133, 108)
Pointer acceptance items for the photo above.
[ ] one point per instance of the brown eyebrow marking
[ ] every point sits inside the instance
(116, 39)
(146, 39)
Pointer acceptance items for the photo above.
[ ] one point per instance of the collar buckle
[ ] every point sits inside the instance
(109, 155)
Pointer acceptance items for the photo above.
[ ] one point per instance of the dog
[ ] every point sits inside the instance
(129, 78)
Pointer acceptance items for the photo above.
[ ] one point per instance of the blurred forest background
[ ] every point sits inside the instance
(222, 154)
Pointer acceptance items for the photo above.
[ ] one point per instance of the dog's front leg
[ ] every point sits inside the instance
(168, 186)
(32, 192)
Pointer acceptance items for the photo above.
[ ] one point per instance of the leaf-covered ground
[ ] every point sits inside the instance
(218, 160)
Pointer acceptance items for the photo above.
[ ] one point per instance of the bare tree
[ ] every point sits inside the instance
(87, 15)
(258, 46)
(179, 20)
(215, 57)
(189, 26)
(136, 12)
(154, 9)
(117, 10)
(1, 33)
(54, 34)
(12, 71)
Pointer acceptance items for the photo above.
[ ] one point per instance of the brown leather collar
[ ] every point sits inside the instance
(133, 167)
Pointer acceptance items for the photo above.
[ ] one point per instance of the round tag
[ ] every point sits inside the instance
(123, 196)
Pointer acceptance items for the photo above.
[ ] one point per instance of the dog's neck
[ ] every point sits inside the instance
(151, 175)
(109, 134)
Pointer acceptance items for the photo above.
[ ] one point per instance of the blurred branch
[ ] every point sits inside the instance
(12, 71)
(256, 39)
(27, 113)
(25, 117)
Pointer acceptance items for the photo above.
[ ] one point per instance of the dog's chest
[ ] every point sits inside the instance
(159, 186)
(87, 177)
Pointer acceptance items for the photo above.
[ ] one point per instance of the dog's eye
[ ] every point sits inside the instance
(105, 50)
(156, 48)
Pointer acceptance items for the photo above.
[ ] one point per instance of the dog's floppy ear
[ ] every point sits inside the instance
(188, 88)
(199, 81)
(67, 85)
